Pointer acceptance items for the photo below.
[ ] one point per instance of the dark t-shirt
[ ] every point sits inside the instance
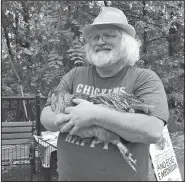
(83, 162)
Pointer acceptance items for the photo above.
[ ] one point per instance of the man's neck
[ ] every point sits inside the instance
(110, 70)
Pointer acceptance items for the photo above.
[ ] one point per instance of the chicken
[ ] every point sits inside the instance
(122, 102)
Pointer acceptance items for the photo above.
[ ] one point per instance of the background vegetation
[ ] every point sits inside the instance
(41, 41)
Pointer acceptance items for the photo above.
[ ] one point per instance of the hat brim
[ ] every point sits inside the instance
(126, 27)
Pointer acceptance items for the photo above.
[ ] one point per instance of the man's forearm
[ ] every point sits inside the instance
(133, 127)
(48, 118)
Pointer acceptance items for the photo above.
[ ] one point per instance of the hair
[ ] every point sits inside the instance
(129, 50)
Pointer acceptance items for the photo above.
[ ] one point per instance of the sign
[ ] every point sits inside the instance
(164, 159)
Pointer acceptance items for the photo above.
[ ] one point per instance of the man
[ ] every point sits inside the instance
(112, 50)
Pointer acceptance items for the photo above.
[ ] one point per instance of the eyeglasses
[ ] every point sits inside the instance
(106, 37)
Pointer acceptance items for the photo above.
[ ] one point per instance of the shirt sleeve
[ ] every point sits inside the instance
(66, 84)
(149, 87)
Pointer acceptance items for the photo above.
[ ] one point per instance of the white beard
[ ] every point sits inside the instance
(103, 58)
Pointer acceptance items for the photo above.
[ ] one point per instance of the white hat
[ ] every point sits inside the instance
(110, 16)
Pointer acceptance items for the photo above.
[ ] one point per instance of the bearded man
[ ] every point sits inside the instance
(112, 50)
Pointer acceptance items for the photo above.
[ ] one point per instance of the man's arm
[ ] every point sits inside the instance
(48, 117)
(132, 127)
(140, 127)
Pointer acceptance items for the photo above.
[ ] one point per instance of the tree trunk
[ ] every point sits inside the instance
(145, 36)
(26, 18)
(105, 3)
(11, 59)
(172, 40)
(173, 37)
(145, 48)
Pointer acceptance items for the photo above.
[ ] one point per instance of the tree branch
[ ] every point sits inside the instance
(92, 14)
(135, 16)
(11, 58)
(157, 38)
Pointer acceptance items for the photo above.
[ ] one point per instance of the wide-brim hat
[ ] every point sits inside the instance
(110, 16)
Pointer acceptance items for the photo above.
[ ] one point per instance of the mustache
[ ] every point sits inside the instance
(102, 48)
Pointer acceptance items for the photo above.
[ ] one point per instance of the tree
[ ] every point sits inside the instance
(43, 39)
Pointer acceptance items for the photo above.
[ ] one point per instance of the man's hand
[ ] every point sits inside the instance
(52, 121)
(80, 116)
(61, 119)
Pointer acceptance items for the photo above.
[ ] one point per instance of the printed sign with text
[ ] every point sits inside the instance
(164, 159)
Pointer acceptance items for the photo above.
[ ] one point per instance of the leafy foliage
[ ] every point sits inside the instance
(43, 40)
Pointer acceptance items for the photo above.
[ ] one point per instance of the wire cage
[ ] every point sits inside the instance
(17, 149)
(15, 163)
(45, 161)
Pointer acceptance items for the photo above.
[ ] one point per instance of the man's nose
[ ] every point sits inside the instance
(100, 40)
